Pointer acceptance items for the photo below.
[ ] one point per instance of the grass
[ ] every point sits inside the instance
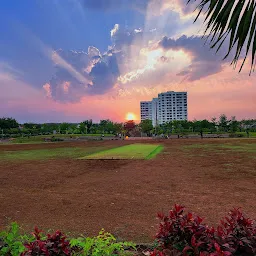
(251, 134)
(44, 154)
(40, 138)
(133, 151)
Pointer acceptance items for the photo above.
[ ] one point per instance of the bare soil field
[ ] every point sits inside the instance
(208, 176)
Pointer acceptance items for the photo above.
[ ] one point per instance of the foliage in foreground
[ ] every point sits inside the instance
(231, 21)
(103, 244)
(184, 234)
(13, 243)
(179, 234)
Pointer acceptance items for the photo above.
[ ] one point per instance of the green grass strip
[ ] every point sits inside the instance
(155, 152)
(51, 153)
(132, 151)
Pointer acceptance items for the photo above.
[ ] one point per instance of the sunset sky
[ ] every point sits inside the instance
(71, 60)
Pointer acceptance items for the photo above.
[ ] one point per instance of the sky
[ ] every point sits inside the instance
(72, 60)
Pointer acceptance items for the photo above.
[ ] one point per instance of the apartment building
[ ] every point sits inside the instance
(146, 110)
(167, 107)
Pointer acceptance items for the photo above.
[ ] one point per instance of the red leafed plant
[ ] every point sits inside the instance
(185, 234)
(238, 232)
(52, 245)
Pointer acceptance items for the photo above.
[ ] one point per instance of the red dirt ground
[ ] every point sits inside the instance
(82, 196)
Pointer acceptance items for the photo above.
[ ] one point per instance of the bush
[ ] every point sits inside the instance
(238, 232)
(54, 139)
(185, 234)
(236, 135)
(103, 244)
(11, 241)
(52, 245)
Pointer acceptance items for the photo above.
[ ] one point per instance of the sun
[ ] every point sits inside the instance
(130, 116)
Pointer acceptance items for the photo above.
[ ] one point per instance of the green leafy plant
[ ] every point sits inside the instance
(12, 241)
(231, 21)
(103, 244)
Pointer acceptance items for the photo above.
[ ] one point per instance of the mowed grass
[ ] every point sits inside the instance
(251, 134)
(44, 154)
(40, 138)
(133, 151)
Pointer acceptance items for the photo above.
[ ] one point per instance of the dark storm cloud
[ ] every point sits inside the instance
(79, 73)
(104, 75)
(204, 61)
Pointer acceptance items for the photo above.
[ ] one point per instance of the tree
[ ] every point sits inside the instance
(85, 126)
(230, 20)
(64, 127)
(8, 123)
(129, 125)
(223, 122)
(214, 124)
(106, 126)
(146, 126)
(118, 127)
(49, 127)
(233, 124)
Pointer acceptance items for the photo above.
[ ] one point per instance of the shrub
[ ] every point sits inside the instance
(103, 244)
(185, 234)
(238, 232)
(52, 245)
(54, 139)
(11, 241)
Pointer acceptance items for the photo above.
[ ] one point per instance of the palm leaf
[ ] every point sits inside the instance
(233, 19)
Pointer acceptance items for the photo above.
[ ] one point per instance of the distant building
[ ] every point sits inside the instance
(146, 110)
(154, 111)
(167, 107)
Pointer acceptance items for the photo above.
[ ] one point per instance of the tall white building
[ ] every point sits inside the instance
(167, 107)
(154, 111)
(146, 110)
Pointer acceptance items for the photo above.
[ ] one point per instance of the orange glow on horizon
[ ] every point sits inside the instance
(130, 116)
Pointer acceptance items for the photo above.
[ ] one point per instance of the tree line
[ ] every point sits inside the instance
(12, 127)
(221, 125)
(9, 126)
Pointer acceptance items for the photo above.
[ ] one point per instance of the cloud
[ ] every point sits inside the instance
(180, 6)
(47, 88)
(204, 61)
(122, 37)
(81, 73)
(156, 7)
(107, 5)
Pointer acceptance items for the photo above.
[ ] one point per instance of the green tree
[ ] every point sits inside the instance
(146, 126)
(33, 126)
(85, 126)
(64, 127)
(8, 123)
(214, 124)
(223, 123)
(233, 124)
(49, 127)
(234, 21)
(118, 127)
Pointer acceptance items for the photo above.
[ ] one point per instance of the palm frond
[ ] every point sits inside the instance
(233, 21)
